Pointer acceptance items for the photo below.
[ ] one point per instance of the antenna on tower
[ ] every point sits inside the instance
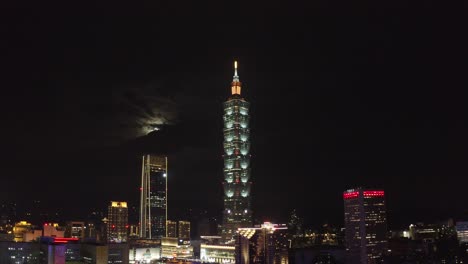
(235, 69)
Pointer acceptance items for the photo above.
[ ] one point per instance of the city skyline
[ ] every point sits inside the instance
(339, 104)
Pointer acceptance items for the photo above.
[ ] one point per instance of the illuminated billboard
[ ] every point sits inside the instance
(144, 255)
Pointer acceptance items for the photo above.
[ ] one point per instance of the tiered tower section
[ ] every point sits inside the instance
(236, 182)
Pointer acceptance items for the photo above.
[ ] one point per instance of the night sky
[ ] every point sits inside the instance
(343, 94)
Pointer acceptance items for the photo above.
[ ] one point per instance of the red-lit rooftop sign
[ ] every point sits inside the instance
(374, 193)
(64, 239)
(350, 195)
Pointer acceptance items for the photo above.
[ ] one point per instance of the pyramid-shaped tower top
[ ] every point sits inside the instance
(236, 84)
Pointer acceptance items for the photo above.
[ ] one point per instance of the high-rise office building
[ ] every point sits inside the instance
(171, 228)
(267, 244)
(365, 225)
(117, 223)
(425, 232)
(184, 229)
(462, 231)
(134, 231)
(153, 198)
(236, 143)
(75, 229)
(90, 231)
(7, 215)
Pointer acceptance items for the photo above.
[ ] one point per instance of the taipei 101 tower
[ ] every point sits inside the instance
(236, 143)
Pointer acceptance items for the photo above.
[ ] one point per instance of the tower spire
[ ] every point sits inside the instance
(236, 77)
(236, 84)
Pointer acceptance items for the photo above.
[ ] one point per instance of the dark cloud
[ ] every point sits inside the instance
(138, 111)
(366, 93)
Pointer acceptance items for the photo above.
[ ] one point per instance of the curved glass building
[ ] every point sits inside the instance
(236, 143)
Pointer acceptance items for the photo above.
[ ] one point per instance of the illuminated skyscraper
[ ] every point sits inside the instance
(184, 229)
(7, 215)
(171, 228)
(153, 198)
(117, 224)
(236, 182)
(267, 244)
(462, 231)
(75, 230)
(365, 225)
